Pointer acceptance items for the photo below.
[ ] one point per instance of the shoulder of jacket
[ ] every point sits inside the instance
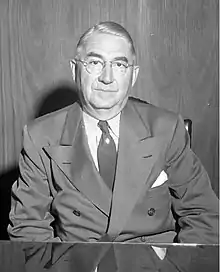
(47, 128)
(160, 120)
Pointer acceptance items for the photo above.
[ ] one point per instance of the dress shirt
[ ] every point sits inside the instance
(94, 133)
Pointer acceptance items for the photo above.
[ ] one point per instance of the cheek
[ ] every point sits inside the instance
(123, 85)
(86, 85)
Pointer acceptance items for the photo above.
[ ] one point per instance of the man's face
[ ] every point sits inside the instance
(106, 93)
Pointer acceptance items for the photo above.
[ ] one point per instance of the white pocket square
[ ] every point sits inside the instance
(161, 252)
(160, 179)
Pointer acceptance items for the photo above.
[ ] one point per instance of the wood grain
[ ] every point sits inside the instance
(177, 47)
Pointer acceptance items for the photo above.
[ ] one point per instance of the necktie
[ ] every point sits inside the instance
(107, 155)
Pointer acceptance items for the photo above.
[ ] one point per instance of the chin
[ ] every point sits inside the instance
(104, 104)
(99, 110)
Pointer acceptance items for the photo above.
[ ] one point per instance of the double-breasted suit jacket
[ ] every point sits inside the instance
(161, 190)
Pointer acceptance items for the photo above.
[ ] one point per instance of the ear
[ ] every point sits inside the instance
(73, 68)
(135, 75)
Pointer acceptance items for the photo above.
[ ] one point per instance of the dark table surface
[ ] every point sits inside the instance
(106, 257)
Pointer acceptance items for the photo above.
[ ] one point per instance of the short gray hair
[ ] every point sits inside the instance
(107, 27)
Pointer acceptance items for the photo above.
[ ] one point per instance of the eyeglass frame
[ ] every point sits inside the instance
(85, 64)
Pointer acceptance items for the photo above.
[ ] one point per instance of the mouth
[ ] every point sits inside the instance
(106, 90)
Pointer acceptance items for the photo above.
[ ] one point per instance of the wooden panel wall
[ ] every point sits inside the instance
(177, 45)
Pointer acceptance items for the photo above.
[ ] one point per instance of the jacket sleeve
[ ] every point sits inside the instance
(30, 216)
(194, 203)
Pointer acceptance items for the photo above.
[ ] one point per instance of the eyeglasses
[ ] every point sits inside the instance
(95, 67)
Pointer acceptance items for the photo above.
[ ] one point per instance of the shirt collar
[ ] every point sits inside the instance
(114, 124)
(92, 123)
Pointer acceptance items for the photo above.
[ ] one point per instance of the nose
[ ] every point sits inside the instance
(107, 74)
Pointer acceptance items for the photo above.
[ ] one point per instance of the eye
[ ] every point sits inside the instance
(94, 62)
(120, 64)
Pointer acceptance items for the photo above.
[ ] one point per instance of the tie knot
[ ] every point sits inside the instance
(103, 125)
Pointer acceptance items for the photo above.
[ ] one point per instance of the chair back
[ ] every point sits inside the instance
(188, 126)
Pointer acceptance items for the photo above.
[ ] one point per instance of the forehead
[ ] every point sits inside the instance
(108, 46)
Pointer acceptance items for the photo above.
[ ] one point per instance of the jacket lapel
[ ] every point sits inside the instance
(136, 157)
(74, 159)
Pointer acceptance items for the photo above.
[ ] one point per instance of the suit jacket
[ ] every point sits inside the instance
(60, 195)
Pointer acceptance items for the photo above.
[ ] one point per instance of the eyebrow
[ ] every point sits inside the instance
(93, 54)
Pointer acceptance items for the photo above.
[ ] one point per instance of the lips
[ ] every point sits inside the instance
(106, 90)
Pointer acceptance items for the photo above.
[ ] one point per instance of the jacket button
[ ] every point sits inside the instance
(143, 239)
(151, 211)
(76, 212)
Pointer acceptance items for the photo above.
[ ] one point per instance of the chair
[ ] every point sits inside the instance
(188, 126)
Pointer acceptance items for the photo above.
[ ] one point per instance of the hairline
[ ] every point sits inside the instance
(85, 37)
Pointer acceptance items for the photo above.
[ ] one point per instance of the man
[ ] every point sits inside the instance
(147, 187)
